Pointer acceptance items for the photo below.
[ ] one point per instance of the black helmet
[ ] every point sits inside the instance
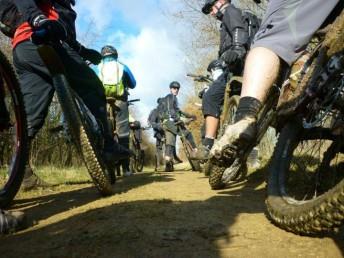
(175, 84)
(208, 4)
(215, 64)
(109, 51)
(158, 100)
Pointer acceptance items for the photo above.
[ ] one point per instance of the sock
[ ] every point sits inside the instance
(248, 107)
(208, 142)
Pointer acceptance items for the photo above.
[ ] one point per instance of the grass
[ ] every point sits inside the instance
(57, 176)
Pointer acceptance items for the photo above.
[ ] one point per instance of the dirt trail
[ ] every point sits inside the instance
(159, 215)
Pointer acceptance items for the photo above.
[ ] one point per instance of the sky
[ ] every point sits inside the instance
(148, 40)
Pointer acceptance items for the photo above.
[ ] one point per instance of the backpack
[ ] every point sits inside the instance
(252, 25)
(111, 75)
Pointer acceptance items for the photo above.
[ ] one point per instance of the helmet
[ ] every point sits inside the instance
(158, 100)
(215, 64)
(208, 4)
(109, 51)
(175, 84)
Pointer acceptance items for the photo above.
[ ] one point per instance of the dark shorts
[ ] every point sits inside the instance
(288, 25)
(212, 100)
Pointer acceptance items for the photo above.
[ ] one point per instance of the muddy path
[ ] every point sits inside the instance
(158, 215)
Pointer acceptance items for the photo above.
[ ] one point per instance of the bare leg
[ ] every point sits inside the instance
(211, 125)
(261, 70)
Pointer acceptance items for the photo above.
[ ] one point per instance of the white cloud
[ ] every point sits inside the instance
(154, 54)
(155, 61)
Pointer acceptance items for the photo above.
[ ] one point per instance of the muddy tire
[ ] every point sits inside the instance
(195, 164)
(215, 178)
(322, 213)
(13, 167)
(188, 149)
(207, 168)
(82, 125)
(83, 137)
(216, 171)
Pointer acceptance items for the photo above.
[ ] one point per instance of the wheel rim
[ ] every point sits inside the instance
(315, 167)
(10, 139)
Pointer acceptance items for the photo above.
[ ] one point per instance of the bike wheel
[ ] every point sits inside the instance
(13, 138)
(207, 168)
(216, 171)
(305, 187)
(134, 159)
(84, 128)
(195, 164)
(140, 160)
(89, 142)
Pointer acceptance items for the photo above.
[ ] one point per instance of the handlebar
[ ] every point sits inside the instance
(200, 78)
(130, 102)
(188, 121)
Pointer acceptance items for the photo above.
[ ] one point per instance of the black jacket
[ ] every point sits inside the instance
(232, 20)
(172, 109)
(20, 11)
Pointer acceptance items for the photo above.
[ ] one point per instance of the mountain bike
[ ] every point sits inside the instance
(85, 130)
(306, 180)
(226, 168)
(13, 133)
(187, 146)
(137, 161)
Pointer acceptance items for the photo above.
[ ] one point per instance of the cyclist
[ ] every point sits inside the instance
(11, 221)
(285, 31)
(57, 19)
(117, 79)
(233, 47)
(154, 120)
(171, 115)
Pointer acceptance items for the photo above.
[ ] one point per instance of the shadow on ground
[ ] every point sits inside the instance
(148, 228)
(42, 207)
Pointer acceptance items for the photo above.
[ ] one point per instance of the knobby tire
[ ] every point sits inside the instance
(18, 161)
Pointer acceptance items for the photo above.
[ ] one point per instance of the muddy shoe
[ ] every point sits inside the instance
(234, 138)
(11, 221)
(31, 180)
(202, 153)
